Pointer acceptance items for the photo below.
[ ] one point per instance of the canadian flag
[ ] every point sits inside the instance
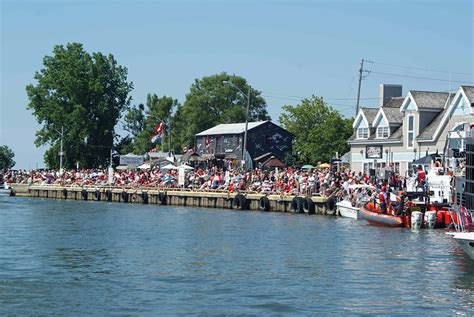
(158, 129)
(208, 142)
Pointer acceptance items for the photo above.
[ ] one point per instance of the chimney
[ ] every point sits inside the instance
(387, 92)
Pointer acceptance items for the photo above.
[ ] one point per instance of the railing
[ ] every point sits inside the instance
(178, 189)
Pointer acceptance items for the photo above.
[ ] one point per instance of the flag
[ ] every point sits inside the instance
(155, 138)
(208, 142)
(158, 130)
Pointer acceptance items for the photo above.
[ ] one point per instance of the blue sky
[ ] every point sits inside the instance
(286, 49)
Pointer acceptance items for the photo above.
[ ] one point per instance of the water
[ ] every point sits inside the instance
(95, 258)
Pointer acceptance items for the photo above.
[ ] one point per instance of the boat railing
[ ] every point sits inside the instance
(461, 218)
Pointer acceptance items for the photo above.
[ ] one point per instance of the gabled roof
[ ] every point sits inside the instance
(370, 114)
(469, 92)
(434, 128)
(395, 102)
(429, 99)
(393, 115)
(429, 131)
(230, 128)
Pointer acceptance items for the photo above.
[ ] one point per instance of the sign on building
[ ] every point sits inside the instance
(181, 176)
(373, 151)
(131, 160)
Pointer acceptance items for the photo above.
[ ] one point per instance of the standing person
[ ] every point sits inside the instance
(420, 177)
(383, 200)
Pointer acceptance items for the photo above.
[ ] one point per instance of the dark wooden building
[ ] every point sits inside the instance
(226, 140)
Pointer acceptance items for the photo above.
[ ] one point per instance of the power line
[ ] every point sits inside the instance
(424, 69)
(425, 78)
(271, 95)
(299, 99)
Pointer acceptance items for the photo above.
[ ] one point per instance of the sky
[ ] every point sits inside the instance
(288, 50)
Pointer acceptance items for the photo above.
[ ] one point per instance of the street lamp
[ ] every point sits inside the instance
(226, 82)
(61, 152)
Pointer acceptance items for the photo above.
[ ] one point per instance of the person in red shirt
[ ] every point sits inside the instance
(383, 200)
(420, 177)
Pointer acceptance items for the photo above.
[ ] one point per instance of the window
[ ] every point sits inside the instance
(363, 133)
(382, 132)
(411, 131)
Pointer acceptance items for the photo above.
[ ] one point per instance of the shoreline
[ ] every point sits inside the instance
(172, 196)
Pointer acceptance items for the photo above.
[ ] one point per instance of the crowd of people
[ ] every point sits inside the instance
(283, 181)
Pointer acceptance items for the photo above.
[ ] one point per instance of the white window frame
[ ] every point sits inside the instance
(383, 134)
(412, 131)
(359, 133)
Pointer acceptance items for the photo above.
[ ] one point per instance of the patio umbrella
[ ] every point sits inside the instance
(169, 167)
(186, 167)
(324, 165)
(145, 166)
(307, 167)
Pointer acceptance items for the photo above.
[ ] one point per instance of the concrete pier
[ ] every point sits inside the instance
(169, 196)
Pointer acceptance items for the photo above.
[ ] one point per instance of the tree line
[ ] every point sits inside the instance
(88, 95)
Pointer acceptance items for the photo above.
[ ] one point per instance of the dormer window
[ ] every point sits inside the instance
(411, 131)
(382, 132)
(363, 133)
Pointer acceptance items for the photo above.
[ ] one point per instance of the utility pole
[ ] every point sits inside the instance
(246, 127)
(61, 152)
(361, 69)
(169, 136)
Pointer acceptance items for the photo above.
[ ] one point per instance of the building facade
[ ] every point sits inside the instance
(226, 140)
(407, 128)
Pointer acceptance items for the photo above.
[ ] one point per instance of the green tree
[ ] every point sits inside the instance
(320, 131)
(84, 93)
(6, 158)
(210, 102)
(141, 121)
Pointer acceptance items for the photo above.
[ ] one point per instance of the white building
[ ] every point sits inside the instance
(407, 128)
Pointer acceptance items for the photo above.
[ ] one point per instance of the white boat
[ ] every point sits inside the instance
(346, 210)
(464, 234)
(466, 241)
(360, 195)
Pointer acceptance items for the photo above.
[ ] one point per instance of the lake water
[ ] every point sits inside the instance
(96, 258)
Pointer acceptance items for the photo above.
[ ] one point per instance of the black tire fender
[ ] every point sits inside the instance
(145, 197)
(108, 193)
(64, 193)
(125, 196)
(239, 202)
(297, 205)
(97, 194)
(162, 198)
(308, 206)
(84, 194)
(264, 203)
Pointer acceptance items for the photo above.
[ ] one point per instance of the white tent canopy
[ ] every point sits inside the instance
(186, 167)
(169, 167)
(145, 166)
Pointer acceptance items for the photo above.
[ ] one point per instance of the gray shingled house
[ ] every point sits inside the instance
(403, 129)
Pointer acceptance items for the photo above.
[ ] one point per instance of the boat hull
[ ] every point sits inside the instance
(466, 242)
(348, 211)
(378, 219)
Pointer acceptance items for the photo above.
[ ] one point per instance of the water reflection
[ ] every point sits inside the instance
(105, 258)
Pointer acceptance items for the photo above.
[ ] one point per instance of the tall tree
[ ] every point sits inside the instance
(211, 101)
(6, 158)
(141, 121)
(320, 131)
(84, 93)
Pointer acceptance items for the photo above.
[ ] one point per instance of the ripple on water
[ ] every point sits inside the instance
(68, 257)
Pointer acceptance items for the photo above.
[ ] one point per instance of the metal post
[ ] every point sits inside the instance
(246, 127)
(61, 153)
(361, 69)
(169, 136)
(111, 170)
